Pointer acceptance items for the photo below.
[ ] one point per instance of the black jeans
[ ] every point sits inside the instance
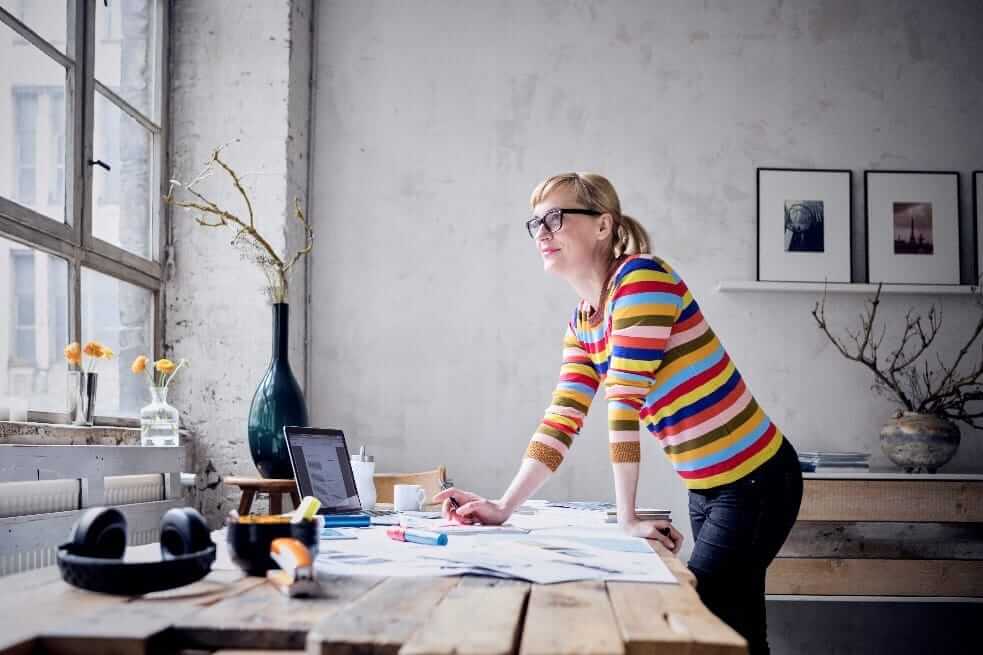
(738, 528)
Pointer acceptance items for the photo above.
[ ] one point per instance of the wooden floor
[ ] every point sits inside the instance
(226, 611)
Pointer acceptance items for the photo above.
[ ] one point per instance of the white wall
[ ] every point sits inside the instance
(239, 76)
(435, 334)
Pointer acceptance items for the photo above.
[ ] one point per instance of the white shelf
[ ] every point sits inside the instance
(846, 287)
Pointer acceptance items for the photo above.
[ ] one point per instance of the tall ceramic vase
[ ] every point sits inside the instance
(278, 401)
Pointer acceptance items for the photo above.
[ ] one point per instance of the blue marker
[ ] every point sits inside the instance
(417, 536)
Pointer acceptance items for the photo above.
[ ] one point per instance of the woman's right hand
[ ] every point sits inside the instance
(472, 508)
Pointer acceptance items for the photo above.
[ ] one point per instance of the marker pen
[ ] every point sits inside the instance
(417, 536)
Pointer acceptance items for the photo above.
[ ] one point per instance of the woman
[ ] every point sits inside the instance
(638, 331)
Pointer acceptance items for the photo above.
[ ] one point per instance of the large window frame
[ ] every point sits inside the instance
(73, 239)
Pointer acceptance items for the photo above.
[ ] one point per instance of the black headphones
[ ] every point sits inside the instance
(93, 557)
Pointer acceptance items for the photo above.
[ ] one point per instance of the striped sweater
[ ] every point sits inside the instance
(663, 366)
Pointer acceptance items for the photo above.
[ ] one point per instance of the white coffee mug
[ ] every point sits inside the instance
(408, 497)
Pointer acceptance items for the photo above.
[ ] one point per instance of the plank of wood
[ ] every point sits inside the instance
(875, 577)
(262, 617)
(656, 619)
(265, 485)
(480, 616)
(892, 500)
(36, 602)
(888, 540)
(382, 620)
(124, 629)
(573, 617)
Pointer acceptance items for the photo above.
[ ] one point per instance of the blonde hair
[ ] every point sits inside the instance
(594, 191)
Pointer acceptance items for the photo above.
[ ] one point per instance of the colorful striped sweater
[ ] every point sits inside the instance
(663, 366)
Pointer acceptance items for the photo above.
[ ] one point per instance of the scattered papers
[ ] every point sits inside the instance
(553, 545)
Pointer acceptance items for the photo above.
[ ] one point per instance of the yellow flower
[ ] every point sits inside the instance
(107, 353)
(139, 364)
(73, 353)
(165, 365)
(93, 349)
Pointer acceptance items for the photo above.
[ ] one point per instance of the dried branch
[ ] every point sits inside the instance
(940, 389)
(248, 240)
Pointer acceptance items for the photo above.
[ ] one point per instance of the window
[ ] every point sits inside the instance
(80, 201)
(22, 349)
(25, 137)
(34, 285)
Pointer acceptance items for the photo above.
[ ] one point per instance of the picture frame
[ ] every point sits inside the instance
(978, 223)
(804, 225)
(913, 227)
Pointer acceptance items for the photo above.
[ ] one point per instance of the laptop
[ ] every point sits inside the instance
(323, 469)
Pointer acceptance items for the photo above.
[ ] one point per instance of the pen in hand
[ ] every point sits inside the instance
(447, 485)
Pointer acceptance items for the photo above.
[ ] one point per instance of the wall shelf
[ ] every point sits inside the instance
(843, 287)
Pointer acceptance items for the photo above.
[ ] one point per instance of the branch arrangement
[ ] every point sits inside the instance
(247, 239)
(903, 374)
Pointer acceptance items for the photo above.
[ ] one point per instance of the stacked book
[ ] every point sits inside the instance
(643, 514)
(835, 462)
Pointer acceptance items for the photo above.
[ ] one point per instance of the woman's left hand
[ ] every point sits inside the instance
(662, 531)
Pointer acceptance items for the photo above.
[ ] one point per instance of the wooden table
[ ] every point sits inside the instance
(41, 614)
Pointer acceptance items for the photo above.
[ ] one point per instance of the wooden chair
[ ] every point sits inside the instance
(431, 481)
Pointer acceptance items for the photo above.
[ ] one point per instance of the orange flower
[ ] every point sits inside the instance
(139, 364)
(107, 353)
(93, 349)
(73, 353)
(165, 365)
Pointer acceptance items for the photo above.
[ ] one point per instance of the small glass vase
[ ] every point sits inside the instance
(158, 420)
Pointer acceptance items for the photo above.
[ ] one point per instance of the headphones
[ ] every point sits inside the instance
(93, 557)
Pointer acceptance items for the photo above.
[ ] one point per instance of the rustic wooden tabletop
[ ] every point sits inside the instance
(39, 613)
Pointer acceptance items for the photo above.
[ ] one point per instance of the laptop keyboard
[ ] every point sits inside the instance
(379, 512)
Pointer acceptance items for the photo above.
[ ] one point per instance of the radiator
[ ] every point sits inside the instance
(44, 496)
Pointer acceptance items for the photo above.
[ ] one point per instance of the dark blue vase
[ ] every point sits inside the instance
(278, 401)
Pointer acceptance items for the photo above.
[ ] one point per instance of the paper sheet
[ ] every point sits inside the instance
(562, 550)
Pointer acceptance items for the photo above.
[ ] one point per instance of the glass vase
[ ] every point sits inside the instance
(158, 420)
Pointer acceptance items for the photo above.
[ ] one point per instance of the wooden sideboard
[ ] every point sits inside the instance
(884, 534)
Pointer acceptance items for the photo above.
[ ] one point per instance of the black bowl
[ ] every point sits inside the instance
(249, 543)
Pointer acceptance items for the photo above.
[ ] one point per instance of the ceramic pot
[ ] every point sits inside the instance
(278, 401)
(919, 443)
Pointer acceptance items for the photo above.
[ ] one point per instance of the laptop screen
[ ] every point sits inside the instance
(322, 468)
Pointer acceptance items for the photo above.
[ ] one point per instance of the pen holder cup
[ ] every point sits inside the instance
(249, 543)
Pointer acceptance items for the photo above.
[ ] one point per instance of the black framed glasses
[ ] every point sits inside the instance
(553, 219)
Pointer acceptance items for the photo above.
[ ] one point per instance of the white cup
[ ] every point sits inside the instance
(408, 497)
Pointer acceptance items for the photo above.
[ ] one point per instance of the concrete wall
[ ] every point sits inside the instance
(239, 75)
(436, 336)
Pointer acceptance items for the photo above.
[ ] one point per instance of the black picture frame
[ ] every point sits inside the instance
(958, 221)
(849, 239)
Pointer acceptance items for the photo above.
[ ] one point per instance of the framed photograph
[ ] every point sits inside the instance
(804, 218)
(912, 227)
(978, 224)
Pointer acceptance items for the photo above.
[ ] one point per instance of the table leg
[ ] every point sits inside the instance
(276, 502)
(246, 502)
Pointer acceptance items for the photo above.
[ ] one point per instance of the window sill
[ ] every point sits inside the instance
(35, 433)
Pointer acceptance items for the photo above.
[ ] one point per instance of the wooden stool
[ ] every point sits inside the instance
(272, 486)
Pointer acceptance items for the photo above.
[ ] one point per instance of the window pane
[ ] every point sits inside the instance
(121, 197)
(34, 327)
(49, 18)
(127, 51)
(33, 113)
(119, 315)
